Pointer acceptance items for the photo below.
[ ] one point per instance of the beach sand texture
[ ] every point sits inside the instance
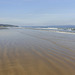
(36, 52)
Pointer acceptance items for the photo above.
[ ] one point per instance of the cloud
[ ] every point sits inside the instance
(41, 19)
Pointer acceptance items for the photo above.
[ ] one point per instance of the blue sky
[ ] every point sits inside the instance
(37, 12)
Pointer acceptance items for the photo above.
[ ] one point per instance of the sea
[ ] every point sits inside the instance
(69, 29)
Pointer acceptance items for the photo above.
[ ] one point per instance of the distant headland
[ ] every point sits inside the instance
(7, 25)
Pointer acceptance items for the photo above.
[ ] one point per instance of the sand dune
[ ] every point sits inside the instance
(35, 52)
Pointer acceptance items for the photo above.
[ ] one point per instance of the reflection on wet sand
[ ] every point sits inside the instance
(35, 52)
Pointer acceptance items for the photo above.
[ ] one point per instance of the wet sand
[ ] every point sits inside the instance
(35, 52)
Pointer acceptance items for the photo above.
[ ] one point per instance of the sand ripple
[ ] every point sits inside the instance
(29, 53)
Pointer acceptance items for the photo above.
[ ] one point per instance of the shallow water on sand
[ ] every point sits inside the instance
(35, 52)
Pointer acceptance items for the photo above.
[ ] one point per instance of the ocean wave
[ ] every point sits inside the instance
(65, 32)
(60, 29)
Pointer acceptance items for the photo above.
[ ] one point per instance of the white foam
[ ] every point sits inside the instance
(48, 28)
(64, 32)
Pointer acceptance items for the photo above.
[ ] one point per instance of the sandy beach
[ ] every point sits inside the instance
(36, 52)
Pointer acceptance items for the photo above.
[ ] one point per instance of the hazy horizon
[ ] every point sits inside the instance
(37, 12)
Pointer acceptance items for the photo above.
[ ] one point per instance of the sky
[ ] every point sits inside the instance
(37, 12)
